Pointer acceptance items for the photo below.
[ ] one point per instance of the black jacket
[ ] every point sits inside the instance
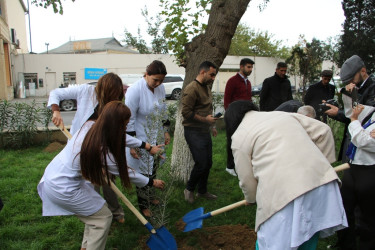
(275, 91)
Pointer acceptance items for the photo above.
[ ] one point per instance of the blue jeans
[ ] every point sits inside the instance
(200, 145)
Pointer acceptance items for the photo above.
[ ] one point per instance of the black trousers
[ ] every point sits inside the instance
(358, 190)
(200, 145)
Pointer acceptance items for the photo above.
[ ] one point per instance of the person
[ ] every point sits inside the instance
(276, 89)
(297, 200)
(97, 149)
(307, 110)
(238, 86)
(319, 92)
(198, 121)
(145, 99)
(90, 102)
(359, 188)
(290, 106)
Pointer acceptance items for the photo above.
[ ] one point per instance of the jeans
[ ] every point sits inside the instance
(200, 145)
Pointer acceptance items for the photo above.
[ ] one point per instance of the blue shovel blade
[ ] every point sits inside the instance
(162, 240)
(194, 219)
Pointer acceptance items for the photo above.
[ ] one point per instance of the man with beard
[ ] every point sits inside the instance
(239, 87)
(276, 89)
(198, 121)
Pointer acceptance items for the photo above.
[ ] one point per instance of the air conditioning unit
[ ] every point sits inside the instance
(18, 44)
(13, 36)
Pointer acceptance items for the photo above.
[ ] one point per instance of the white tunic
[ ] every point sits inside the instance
(145, 105)
(62, 188)
(86, 103)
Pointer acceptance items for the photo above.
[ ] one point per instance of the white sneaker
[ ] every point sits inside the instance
(231, 171)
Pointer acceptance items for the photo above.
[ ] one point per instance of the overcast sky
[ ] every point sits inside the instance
(89, 19)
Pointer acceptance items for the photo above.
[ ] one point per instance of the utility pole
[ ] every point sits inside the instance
(47, 46)
(28, 12)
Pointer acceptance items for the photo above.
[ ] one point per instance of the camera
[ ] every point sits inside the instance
(323, 107)
(218, 115)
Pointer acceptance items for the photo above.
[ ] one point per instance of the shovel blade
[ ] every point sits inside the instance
(162, 240)
(194, 219)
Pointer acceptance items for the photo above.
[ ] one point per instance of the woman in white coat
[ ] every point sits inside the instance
(97, 149)
(90, 102)
(146, 100)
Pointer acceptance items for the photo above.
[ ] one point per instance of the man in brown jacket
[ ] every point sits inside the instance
(198, 121)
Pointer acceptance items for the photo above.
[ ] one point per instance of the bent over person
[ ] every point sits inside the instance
(283, 165)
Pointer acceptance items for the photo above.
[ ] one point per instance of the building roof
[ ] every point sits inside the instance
(92, 46)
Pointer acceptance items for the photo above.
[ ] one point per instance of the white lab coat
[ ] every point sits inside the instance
(62, 188)
(86, 103)
(143, 104)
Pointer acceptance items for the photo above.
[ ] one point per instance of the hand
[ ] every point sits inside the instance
(134, 153)
(356, 111)
(210, 119)
(214, 132)
(333, 111)
(372, 133)
(158, 184)
(57, 119)
(167, 138)
(350, 87)
(157, 150)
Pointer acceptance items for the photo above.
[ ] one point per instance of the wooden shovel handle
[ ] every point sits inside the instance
(342, 167)
(65, 131)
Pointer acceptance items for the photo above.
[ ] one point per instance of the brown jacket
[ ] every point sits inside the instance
(196, 99)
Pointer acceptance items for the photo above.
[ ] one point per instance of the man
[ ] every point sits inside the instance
(274, 173)
(239, 87)
(319, 92)
(354, 74)
(276, 89)
(198, 121)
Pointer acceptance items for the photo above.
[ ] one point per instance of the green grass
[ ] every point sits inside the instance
(22, 225)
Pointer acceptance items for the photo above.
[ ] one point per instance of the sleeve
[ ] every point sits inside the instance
(188, 101)
(361, 138)
(228, 94)
(244, 170)
(132, 142)
(136, 178)
(348, 108)
(308, 97)
(59, 94)
(321, 134)
(263, 95)
(132, 100)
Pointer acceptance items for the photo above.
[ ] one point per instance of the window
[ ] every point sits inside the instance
(30, 78)
(69, 78)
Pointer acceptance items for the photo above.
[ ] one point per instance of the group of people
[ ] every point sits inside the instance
(282, 159)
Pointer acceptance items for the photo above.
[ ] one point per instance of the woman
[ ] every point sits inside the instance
(283, 164)
(94, 152)
(90, 103)
(145, 99)
(358, 185)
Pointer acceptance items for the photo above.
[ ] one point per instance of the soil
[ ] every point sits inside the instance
(54, 146)
(218, 237)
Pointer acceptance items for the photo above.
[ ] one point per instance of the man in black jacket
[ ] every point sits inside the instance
(276, 89)
(318, 92)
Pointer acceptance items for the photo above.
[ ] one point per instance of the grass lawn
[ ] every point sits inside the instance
(22, 225)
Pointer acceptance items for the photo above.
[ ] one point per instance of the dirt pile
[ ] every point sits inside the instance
(54, 146)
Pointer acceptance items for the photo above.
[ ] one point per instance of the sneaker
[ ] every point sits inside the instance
(231, 171)
(189, 196)
(207, 196)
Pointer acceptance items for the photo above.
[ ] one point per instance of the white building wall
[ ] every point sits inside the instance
(17, 21)
(50, 67)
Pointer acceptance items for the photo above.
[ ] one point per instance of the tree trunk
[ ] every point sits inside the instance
(212, 46)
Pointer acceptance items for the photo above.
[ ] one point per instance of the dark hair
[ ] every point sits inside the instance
(109, 88)
(245, 61)
(235, 113)
(106, 136)
(290, 106)
(281, 65)
(156, 68)
(327, 73)
(206, 65)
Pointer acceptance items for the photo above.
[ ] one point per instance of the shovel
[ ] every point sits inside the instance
(161, 238)
(194, 219)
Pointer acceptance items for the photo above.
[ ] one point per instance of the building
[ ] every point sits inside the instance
(13, 42)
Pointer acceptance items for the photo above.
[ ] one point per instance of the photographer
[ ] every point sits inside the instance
(318, 92)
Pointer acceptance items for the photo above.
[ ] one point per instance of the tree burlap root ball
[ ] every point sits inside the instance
(54, 146)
